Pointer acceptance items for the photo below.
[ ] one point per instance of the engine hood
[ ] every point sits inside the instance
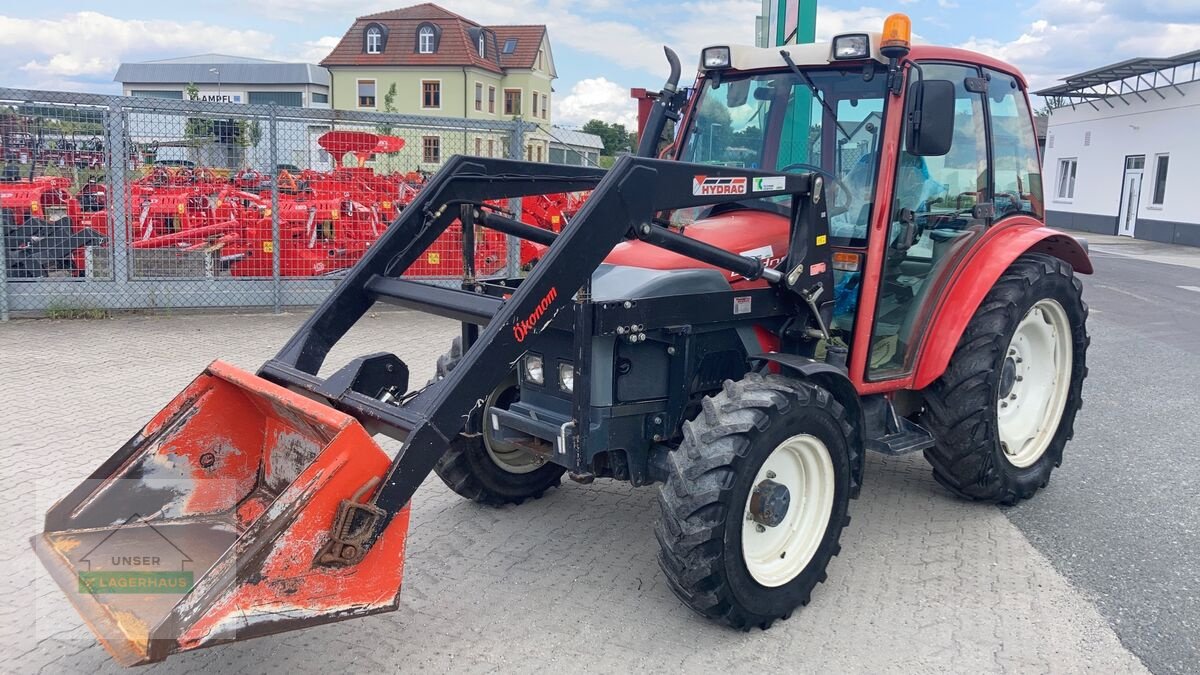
(753, 233)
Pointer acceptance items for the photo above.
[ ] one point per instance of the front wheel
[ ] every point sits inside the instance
(756, 500)
(1005, 408)
(487, 469)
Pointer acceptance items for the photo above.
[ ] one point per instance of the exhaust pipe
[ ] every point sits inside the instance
(666, 107)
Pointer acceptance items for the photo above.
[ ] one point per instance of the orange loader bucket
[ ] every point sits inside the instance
(206, 527)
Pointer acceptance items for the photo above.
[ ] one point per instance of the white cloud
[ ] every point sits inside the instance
(1071, 36)
(596, 98)
(90, 46)
(313, 51)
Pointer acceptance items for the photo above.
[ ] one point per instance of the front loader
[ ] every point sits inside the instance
(842, 251)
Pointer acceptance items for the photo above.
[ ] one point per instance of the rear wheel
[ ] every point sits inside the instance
(756, 500)
(1005, 407)
(486, 469)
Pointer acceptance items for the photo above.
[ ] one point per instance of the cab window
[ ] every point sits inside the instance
(1015, 162)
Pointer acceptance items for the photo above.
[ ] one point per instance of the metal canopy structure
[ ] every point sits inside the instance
(1132, 77)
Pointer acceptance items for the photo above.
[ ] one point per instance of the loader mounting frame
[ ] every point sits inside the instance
(502, 319)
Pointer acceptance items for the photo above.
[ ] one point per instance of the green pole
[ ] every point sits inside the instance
(806, 28)
(794, 139)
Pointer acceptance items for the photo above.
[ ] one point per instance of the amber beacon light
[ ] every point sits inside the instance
(897, 36)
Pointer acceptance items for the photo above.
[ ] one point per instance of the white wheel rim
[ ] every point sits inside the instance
(1035, 379)
(776, 555)
(508, 456)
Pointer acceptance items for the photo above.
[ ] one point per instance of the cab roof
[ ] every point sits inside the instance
(745, 57)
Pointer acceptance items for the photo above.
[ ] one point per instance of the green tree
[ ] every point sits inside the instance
(615, 137)
(389, 106)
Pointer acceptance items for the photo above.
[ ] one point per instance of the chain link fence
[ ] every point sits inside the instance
(117, 203)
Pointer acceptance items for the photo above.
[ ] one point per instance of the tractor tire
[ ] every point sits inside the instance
(1005, 408)
(486, 470)
(727, 560)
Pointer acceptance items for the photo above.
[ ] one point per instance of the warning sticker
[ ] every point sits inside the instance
(705, 186)
(770, 184)
(819, 268)
(742, 305)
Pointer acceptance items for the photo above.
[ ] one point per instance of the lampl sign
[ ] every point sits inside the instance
(213, 96)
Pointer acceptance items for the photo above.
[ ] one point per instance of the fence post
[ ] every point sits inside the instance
(3, 275)
(516, 148)
(118, 190)
(277, 284)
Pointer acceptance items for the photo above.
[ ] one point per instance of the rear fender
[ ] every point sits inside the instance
(994, 254)
(836, 382)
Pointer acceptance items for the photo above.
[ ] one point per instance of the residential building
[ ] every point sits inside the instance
(1121, 152)
(426, 60)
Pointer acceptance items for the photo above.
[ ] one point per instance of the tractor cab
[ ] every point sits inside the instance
(921, 162)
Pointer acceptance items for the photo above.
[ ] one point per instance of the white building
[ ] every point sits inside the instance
(228, 79)
(568, 146)
(1122, 151)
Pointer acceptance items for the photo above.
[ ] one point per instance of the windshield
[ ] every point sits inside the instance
(773, 121)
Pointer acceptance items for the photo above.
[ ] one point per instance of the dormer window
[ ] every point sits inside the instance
(426, 40)
(482, 51)
(374, 39)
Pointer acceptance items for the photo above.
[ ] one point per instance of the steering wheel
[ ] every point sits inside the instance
(835, 209)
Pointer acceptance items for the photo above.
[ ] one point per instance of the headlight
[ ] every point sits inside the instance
(566, 377)
(715, 57)
(850, 47)
(534, 372)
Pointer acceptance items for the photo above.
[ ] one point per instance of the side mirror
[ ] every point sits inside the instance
(930, 118)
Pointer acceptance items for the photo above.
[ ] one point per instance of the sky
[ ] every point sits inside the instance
(602, 48)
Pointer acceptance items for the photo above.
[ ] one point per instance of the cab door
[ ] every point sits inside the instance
(939, 207)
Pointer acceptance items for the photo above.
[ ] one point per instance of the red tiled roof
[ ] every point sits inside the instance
(456, 46)
(529, 41)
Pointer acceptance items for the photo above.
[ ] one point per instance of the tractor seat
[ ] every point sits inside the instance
(622, 282)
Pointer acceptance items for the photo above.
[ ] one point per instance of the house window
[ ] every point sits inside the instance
(491, 147)
(320, 98)
(512, 101)
(510, 45)
(431, 94)
(425, 40)
(541, 52)
(539, 153)
(1161, 163)
(1066, 178)
(545, 107)
(366, 93)
(535, 104)
(529, 153)
(479, 97)
(482, 52)
(374, 40)
(492, 100)
(478, 146)
(432, 147)
(292, 98)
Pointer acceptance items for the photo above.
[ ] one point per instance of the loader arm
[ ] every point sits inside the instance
(624, 204)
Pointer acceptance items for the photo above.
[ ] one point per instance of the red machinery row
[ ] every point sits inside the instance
(327, 220)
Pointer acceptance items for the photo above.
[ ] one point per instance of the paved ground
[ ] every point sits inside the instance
(570, 582)
(1121, 519)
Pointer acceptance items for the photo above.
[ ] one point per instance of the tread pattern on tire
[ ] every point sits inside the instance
(960, 405)
(467, 469)
(695, 500)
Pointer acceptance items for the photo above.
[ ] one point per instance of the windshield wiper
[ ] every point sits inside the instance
(816, 92)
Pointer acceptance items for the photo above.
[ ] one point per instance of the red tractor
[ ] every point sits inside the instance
(843, 251)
